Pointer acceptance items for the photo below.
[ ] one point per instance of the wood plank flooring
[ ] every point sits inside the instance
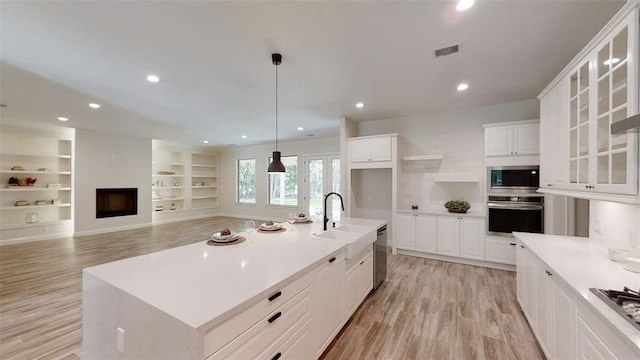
(426, 310)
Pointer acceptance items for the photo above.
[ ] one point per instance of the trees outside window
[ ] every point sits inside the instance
(283, 188)
(247, 181)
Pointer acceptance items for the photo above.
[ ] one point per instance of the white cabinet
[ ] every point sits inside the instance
(500, 249)
(329, 298)
(370, 149)
(521, 276)
(563, 319)
(359, 280)
(521, 139)
(554, 108)
(460, 236)
(416, 232)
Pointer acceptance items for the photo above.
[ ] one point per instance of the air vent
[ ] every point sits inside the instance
(449, 50)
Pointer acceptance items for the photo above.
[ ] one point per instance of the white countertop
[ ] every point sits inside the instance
(202, 285)
(473, 213)
(582, 265)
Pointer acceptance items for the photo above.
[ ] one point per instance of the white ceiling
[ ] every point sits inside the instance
(218, 82)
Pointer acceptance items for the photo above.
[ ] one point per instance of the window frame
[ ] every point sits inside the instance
(297, 161)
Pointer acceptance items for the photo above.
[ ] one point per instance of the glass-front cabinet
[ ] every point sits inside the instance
(603, 90)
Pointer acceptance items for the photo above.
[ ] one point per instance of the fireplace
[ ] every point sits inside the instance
(116, 202)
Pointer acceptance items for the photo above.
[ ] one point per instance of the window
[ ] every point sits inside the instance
(247, 181)
(283, 188)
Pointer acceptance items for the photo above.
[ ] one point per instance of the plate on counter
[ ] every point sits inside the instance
(225, 238)
(274, 227)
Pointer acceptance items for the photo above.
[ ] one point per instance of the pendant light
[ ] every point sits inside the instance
(276, 165)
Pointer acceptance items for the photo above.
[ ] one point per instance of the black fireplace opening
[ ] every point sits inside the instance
(116, 202)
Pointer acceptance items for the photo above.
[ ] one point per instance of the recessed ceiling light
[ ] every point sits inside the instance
(62, 118)
(244, 136)
(463, 87)
(153, 78)
(205, 141)
(360, 105)
(300, 128)
(464, 5)
(611, 61)
(94, 106)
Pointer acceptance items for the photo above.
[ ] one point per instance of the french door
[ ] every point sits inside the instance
(322, 176)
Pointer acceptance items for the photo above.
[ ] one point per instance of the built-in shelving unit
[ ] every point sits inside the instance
(168, 190)
(48, 160)
(204, 181)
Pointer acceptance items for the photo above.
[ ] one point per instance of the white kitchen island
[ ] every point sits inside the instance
(277, 295)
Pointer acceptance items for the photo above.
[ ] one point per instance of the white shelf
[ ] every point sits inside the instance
(164, 211)
(203, 197)
(422, 157)
(32, 188)
(33, 206)
(204, 166)
(174, 175)
(203, 176)
(456, 178)
(167, 187)
(168, 199)
(39, 156)
(167, 163)
(35, 172)
(203, 187)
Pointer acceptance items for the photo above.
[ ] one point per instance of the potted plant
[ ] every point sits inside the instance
(457, 206)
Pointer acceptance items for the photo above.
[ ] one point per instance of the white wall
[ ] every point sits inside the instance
(261, 210)
(457, 135)
(106, 160)
(619, 226)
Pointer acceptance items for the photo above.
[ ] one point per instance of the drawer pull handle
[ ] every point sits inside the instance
(522, 246)
(276, 356)
(362, 262)
(332, 259)
(275, 317)
(512, 244)
(275, 296)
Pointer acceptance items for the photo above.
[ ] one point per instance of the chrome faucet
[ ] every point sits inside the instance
(326, 219)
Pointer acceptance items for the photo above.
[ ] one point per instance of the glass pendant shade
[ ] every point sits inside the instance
(276, 165)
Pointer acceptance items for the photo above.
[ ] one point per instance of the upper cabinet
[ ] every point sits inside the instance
(520, 139)
(599, 89)
(371, 151)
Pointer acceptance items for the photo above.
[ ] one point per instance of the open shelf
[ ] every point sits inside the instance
(168, 199)
(35, 172)
(33, 188)
(33, 206)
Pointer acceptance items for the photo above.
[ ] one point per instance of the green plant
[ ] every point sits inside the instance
(457, 205)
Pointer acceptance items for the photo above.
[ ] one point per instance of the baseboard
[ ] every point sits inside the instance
(458, 260)
(111, 229)
(186, 218)
(28, 239)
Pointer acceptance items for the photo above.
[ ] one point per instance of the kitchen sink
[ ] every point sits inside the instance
(356, 237)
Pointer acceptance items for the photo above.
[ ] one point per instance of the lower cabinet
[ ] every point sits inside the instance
(416, 232)
(359, 280)
(461, 237)
(329, 295)
(500, 249)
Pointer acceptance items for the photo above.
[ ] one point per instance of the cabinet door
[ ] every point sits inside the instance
(448, 235)
(548, 146)
(579, 133)
(500, 250)
(380, 149)
(532, 285)
(426, 233)
(590, 346)
(521, 276)
(498, 141)
(563, 321)
(366, 276)
(329, 304)
(358, 150)
(472, 238)
(543, 307)
(352, 282)
(526, 139)
(405, 231)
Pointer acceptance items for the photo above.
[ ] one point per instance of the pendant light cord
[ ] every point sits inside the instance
(276, 107)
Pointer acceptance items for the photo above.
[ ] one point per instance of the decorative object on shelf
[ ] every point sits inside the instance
(56, 201)
(414, 207)
(30, 181)
(17, 168)
(166, 172)
(173, 206)
(43, 202)
(159, 208)
(177, 183)
(276, 165)
(32, 218)
(44, 169)
(457, 206)
(21, 203)
(14, 181)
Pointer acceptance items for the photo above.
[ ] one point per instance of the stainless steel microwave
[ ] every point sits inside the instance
(513, 179)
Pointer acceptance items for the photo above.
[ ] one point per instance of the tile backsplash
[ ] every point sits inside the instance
(614, 225)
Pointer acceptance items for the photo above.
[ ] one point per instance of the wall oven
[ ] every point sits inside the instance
(513, 179)
(506, 214)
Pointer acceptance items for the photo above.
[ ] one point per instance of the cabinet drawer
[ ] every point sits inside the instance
(294, 345)
(350, 263)
(590, 346)
(501, 251)
(260, 336)
(220, 335)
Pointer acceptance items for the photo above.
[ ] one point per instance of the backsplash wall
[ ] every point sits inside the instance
(614, 225)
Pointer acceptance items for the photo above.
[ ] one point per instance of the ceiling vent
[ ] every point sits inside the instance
(449, 50)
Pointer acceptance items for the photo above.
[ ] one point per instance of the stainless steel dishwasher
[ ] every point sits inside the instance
(380, 257)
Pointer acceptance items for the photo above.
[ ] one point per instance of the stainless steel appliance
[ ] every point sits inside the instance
(625, 302)
(513, 179)
(506, 214)
(380, 257)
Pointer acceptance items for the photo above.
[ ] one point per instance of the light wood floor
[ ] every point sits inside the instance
(426, 310)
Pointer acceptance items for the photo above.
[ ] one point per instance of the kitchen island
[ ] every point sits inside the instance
(199, 301)
(554, 278)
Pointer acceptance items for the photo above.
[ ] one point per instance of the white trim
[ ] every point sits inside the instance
(458, 260)
(178, 219)
(511, 123)
(28, 239)
(632, 200)
(626, 9)
(372, 136)
(113, 229)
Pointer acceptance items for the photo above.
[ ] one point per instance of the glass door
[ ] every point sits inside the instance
(579, 126)
(322, 176)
